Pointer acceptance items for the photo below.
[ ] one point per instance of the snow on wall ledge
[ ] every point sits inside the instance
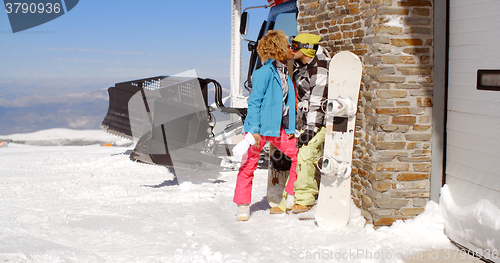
(476, 227)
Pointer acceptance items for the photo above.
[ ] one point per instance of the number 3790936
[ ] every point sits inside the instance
(33, 8)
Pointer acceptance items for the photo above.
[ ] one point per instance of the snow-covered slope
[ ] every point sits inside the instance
(92, 204)
(65, 137)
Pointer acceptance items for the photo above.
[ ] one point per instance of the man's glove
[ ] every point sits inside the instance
(242, 147)
(305, 137)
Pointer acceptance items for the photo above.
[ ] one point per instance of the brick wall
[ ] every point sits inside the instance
(392, 155)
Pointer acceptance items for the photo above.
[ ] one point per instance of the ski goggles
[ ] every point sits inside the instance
(297, 45)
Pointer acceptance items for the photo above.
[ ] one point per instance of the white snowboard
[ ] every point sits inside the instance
(344, 78)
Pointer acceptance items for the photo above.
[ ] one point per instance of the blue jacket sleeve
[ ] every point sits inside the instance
(260, 81)
(291, 105)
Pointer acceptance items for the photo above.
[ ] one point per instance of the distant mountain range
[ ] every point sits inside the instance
(74, 111)
(82, 111)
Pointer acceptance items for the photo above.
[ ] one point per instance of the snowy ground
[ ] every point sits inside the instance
(92, 204)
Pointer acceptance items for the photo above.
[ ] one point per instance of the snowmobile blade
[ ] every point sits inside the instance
(117, 120)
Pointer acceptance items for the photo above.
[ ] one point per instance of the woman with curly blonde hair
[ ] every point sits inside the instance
(270, 117)
(274, 46)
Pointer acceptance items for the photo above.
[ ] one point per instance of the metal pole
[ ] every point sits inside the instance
(235, 72)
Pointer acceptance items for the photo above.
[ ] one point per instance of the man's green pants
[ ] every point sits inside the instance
(306, 186)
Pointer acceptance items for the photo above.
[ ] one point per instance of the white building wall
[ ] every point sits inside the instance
(473, 127)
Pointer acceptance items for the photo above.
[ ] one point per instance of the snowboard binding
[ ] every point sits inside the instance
(339, 107)
(331, 166)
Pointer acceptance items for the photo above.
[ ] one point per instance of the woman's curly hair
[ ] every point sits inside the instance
(274, 45)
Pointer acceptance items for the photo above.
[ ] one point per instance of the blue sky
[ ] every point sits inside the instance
(120, 40)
